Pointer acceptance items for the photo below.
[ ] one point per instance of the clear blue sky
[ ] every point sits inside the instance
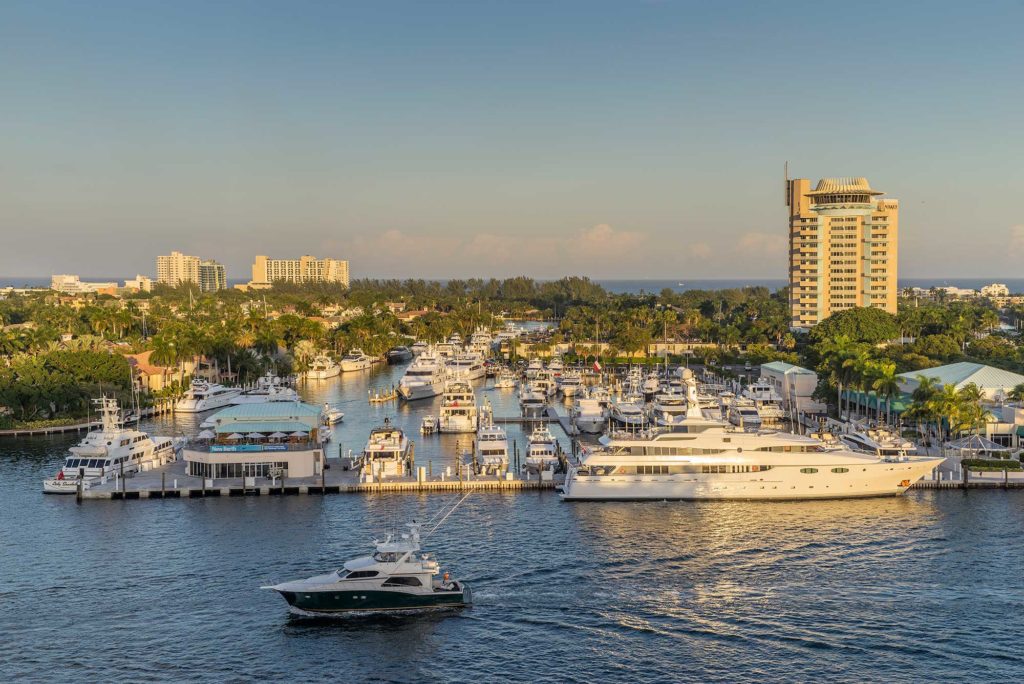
(440, 139)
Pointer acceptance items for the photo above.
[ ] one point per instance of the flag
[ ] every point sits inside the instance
(597, 367)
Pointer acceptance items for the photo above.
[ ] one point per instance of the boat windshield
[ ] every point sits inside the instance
(386, 556)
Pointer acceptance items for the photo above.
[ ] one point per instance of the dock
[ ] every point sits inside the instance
(78, 427)
(171, 482)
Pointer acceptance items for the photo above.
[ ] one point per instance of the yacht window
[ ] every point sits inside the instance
(362, 574)
(403, 582)
(840, 470)
(808, 471)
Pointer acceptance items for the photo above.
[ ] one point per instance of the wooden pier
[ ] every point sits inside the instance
(79, 427)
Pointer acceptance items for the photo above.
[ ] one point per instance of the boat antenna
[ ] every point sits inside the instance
(450, 511)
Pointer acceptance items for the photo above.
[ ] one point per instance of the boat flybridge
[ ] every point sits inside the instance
(388, 453)
(203, 395)
(458, 407)
(110, 451)
(532, 401)
(397, 577)
(880, 440)
(710, 459)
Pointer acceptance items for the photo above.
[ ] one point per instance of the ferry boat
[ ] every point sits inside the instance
(109, 451)
(388, 452)
(589, 415)
(542, 450)
(397, 577)
(424, 378)
(206, 396)
(322, 367)
(711, 459)
(356, 360)
(458, 407)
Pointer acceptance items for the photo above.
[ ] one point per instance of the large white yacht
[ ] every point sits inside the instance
(322, 367)
(458, 407)
(418, 347)
(424, 378)
(532, 401)
(356, 360)
(467, 365)
(206, 396)
(569, 383)
(710, 459)
(110, 451)
(628, 411)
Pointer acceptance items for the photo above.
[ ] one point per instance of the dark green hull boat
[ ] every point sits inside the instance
(377, 600)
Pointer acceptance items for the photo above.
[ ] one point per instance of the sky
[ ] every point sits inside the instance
(640, 139)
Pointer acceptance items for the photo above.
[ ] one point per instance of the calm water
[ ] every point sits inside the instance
(923, 587)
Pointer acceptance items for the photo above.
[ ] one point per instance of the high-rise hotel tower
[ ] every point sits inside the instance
(842, 248)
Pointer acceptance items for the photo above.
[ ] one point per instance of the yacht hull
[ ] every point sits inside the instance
(881, 479)
(323, 374)
(333, 601)
(591, 425)
(350, 366)
(203, 405)
(414, 392)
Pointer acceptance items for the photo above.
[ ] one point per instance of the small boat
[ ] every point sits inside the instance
(356, 360)
(399, 355)
(397, 577)
(331, 415)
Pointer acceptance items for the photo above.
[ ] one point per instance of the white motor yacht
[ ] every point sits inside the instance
(569, 383)
(388, 453)
(491, 443)
(532, 401)
(322, 367)
(331, 415)
(458, 407)
(542, 450)
(424, 378)
(110, 451)
(356, 360)
(628, 412)
(651, 385)
(397, 577)
(467, 365)
(535, 366)
(506, 379)
(556, 366)
(712, 459)
(590, 414)
(546, 382)
(418, 347)
(268, 388)
(743, 413)
(206, 396)
(878, 440)
(668, 410)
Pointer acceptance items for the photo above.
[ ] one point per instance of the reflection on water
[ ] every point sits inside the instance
(923, 587)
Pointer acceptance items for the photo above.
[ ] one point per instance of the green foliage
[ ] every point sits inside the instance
(61, 383)
(989, 465)
(862, 324)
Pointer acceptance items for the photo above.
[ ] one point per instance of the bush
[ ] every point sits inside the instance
(984, 464)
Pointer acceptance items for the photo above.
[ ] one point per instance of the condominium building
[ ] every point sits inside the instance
(177, 268)
(72, 284)
(266, 271)
(212, 276)
(843, 252)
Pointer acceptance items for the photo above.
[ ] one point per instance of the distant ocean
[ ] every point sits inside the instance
(652, 286)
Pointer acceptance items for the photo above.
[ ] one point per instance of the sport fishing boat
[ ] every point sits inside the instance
(458, 407)
(542, 450)
(424, 378)
(322, 367)
(206, 396)
(356, 360)
(110, 451)
(711, 459)
(397, 577)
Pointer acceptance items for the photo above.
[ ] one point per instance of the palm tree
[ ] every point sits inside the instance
(885, 384)
(1017, 393)
(922, 403)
